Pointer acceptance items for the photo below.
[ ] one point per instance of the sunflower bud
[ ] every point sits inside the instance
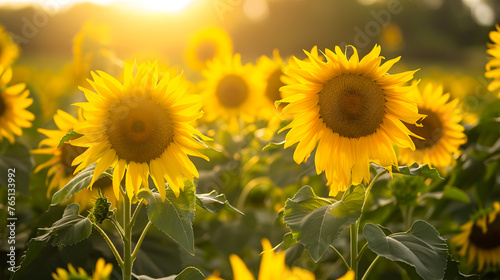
(100, 211)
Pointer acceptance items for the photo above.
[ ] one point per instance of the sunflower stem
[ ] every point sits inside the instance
(367, 272)
(354, 247)
(340, 256)
(110, 244)
(118, 226)
(355, 228)
(139, 242)
(127, 244)
(361, 252)
(136, 211)
(369, 188)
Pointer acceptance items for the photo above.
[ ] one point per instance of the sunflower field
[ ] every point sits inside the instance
(250, 139)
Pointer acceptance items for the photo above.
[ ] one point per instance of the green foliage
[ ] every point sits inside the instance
(423, 170)
(189, 273)
(70, 229)
(80, 182)
(406, 189)
(70, 135)
(421, 247)
(33, 248)
(17, 157)
(174, 216)
(316, 222)
(214, 202)
(273, 146)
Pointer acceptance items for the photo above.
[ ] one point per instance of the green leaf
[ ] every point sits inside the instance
(456, 194)
(189, 273)
(70, 229)
(415, 169)
(273, 146)
(175, 215)
(289, 240)
(421, 247)
(316, 222)
(79, 182)
(34, 247)
(69, 136)
(17, 158)
(453, 273)
(214, 202)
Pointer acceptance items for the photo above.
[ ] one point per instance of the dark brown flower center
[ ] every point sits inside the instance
(352, 105)
(206, 50)
(488, 240)
(139, 131)
(273, 85)
(431, 130)
(3, 106)
(232, 91)
(68, 154)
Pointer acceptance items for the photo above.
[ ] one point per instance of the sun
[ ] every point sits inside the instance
(170, 6)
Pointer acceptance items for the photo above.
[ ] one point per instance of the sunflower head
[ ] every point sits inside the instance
(13, 103)
(102, 271)
(60, 171)
(9, 51)
(231, 90)
(207, 44)
(272, 70)
(441, 131)
(352, 109)
(492, 67)
(479, 239)
(140, 127)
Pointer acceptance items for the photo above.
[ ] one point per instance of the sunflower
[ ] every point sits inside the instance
(493, 66)
(60, 169)
(9, 51)
(102, 272)
(272, 70)
(480, 240)
(142, 126)
(207, 44)
(13, 103)
(231, 90)
(272, 266)
(441, 130)
(353, 109)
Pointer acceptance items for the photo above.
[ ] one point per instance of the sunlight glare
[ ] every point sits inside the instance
(165, 5)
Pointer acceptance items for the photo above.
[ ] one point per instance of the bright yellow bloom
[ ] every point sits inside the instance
(9, 51)
(102, 272)
(272, 70)
(441, 130)
(272, 267)
(480, 240)
(493, 66)
(143, 126)
(231, 90)
(13, 103)
(353, 108)
(60, 169)
(208, 44)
